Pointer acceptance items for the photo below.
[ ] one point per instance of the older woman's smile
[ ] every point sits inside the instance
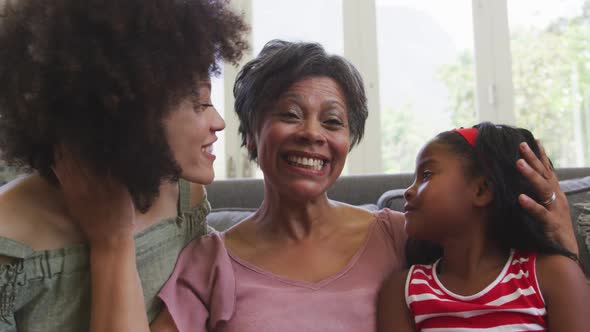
(306, 160)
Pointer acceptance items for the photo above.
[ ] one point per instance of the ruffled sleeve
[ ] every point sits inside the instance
(394, 224)
(201, 291)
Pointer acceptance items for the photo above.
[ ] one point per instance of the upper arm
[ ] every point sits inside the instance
(392, 312)
(566, 293)
(164, 322)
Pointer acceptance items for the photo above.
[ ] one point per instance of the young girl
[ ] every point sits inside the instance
(493, 266)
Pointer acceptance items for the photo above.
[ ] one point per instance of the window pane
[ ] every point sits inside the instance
(550, 48)
(301, 20)
(426, 74)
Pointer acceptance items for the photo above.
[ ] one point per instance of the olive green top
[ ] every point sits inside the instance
(49, 290)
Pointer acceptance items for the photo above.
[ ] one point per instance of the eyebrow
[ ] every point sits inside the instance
(427, 161)
(333, 102)
(291, 95)
(299, 98)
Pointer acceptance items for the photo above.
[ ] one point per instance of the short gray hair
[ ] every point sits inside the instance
(278, 66)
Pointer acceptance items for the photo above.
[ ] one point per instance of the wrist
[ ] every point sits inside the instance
(568, 241)
(118, 255)
(572, 246)
(112, 245)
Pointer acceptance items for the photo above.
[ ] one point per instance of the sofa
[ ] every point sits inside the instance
(233, 200)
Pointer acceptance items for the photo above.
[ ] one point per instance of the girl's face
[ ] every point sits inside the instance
(439, 201)
(303, 140)
(191, 131)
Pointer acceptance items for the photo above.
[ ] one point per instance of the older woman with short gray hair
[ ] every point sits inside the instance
(301, 262)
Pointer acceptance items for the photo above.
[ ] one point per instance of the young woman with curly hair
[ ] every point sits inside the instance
(118, 91)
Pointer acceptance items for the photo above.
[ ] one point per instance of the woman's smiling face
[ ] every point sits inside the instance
(304, 138)
(191, 131)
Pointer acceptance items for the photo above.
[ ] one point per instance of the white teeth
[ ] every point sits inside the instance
(208, 148)
(312, 163)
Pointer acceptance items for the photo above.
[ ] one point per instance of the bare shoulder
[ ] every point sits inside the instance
(15, 206)
(390, 221)
(354, 212)
(197, 193)
(16, 213)
(354, 222)
(32, 213)
(565, 291)
(557, 270)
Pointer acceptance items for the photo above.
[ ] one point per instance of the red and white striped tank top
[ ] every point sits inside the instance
(513, 302)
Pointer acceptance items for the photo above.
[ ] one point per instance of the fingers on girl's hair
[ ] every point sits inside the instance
(529, 172)
(540, 184)
(531, 206)
(532, 159)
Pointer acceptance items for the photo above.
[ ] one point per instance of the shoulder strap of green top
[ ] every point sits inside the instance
(12, 248)
(184, 196)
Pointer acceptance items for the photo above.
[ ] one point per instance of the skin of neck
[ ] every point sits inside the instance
(283, 216)
(165, 202)
(470, 251)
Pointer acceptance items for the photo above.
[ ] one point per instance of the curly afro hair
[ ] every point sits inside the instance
(98, 76)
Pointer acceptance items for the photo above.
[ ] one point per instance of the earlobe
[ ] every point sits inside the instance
(484, 193)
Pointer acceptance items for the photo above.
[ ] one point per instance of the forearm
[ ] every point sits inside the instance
(569, 242)
(565, 234)
(117, 297)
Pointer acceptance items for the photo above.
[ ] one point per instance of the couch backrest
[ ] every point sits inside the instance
(355, 190)
(233, 200)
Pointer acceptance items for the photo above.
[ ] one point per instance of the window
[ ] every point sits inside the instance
(301, 20)
(550, 48)
(426, 74)
(432, 65)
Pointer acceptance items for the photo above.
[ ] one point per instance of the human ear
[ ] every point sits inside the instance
(483, 193)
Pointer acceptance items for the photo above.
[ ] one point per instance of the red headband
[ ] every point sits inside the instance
(469, 134)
